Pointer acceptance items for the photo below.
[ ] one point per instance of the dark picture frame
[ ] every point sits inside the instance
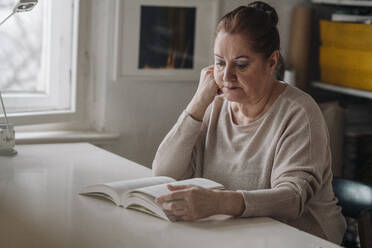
(164, 38)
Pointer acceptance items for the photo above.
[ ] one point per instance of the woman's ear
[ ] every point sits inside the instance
(273, 61)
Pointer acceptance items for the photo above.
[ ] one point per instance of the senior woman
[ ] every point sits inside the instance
(264, 140)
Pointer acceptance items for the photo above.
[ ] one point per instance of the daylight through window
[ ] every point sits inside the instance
(37, 53)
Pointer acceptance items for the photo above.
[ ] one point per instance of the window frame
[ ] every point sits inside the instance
(58, 103)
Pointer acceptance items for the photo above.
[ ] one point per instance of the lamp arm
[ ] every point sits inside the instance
(7, 18)
(2, 104)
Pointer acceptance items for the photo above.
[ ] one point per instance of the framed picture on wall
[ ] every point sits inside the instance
(165, 39)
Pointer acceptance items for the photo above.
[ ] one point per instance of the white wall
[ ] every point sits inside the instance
(142, 111)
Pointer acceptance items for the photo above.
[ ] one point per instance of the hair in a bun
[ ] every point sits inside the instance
(267, 9)
(258, 23)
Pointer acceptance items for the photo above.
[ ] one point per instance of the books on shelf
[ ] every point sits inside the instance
(358, 153)
(140, 194)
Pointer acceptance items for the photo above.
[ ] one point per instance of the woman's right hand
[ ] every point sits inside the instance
(207, 90)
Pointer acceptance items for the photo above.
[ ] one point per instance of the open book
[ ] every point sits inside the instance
(140, 194)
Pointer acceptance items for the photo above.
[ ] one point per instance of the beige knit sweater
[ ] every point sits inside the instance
(281, 163)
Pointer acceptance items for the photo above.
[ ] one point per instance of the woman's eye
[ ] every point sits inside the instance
(241, 66)
(219, 63)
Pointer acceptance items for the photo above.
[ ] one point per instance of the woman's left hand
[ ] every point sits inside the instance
(188, 202)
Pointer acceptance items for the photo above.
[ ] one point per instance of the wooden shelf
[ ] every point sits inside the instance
(344, 90)
(365, 3)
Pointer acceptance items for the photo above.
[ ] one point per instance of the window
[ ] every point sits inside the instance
(38, 57)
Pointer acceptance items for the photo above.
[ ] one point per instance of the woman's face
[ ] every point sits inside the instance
(243, 75)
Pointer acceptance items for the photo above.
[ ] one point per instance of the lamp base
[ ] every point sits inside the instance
(8, 152)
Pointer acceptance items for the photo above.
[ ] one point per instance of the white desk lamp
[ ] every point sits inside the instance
(7, 136)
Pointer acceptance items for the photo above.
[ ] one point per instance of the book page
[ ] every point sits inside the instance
(123, 186)
(145, 203)
(113, 190)
(161, 189)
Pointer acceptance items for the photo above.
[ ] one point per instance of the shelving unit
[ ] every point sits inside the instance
(357, 118)
(344, 4)
(344, 90)
(362, 3)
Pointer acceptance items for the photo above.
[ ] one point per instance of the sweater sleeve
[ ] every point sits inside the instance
(301, 164)
(180, 153)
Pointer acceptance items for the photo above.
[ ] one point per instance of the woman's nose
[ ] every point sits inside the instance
(229, 74)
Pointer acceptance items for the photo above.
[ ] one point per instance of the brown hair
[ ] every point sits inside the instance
(258, 22)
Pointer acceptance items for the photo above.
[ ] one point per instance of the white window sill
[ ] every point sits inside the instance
(94, 137)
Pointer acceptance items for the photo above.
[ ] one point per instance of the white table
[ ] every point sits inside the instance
(40, 207)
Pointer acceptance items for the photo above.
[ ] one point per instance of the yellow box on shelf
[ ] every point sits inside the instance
(346, 67)
(346, 35)
(360, 60)
(356, 79)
